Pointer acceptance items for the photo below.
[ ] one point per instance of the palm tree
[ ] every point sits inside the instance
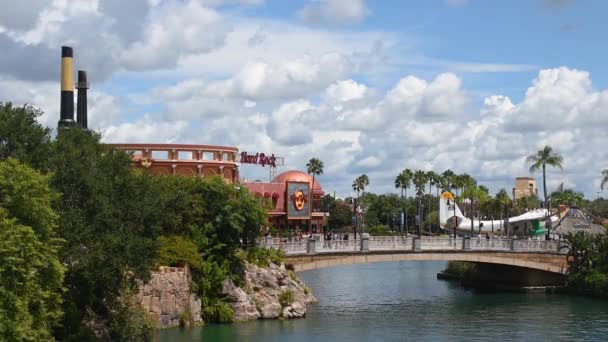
(448, 180)
(314, 167)
(419, 181)
(505, 203)
(604, 178)
(359, 185)
(403, 181)
(541, 159)
(433, 179)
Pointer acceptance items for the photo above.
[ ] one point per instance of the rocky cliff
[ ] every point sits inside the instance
(168, 299)
(268, 293)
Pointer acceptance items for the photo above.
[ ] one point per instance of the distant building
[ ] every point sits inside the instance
(524, 187)
(293, 201)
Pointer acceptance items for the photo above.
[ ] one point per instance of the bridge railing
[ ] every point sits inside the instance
(390, 242)
(433, 243)
(535, 245)
(399, 243)
(338, 245)
(491, 244)
(288, 247)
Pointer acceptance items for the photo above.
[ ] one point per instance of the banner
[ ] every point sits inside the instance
(298, 200)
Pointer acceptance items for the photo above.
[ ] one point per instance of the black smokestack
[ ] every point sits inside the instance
(81, 105)
(66, 109)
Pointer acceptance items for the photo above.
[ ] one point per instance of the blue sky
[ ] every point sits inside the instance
(367, 86)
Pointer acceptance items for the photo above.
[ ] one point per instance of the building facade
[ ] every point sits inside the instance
(185, 160)
(291, 197)
(293, 201)
(524, 187)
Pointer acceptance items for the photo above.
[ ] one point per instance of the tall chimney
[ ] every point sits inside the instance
(81, 104)
(66, 110)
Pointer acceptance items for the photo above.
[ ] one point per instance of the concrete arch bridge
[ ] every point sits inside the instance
(525, 262)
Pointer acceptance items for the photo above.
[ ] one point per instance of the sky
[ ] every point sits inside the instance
(368, 87)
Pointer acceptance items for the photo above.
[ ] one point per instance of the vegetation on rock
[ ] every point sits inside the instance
(588, 256)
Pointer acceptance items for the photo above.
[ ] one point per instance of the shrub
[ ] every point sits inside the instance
(218, 312)
(597, 281)
(306, 290)
(462, 269)
(129, 321)
(286, 297)
(184, 319)
(380, 230)
(178, 251)
(262, 257)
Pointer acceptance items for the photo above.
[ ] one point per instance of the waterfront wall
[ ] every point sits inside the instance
(167, 298)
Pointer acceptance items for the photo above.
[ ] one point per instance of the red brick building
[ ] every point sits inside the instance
(185, 160)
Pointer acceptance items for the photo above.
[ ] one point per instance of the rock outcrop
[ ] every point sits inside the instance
(268, 293)
(168, 299)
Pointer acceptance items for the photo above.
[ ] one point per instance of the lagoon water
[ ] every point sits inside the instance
(400, 301)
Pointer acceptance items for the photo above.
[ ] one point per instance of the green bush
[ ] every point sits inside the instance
(218, 312)
(262, 257)
(129, 321)
(462, 269)
(381, 230)
(178, 251)
(597, 281)
(184, 319)
(286, 297)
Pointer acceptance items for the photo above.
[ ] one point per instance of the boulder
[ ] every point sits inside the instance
(295, 310)
(244, 311)
(270, 310)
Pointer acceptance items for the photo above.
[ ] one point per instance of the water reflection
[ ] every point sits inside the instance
(398, 301)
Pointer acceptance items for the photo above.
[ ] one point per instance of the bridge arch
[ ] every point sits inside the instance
(549, 262)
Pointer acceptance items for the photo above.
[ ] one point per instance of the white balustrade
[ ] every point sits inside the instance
(401, 243)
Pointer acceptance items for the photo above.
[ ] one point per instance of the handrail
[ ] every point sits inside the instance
(401, 243)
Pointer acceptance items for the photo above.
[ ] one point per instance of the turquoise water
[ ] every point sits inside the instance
(399, 301)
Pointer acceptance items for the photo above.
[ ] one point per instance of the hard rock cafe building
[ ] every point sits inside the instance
(294, 201)
(291, 197)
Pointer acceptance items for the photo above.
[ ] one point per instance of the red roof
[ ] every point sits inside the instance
(297, 176)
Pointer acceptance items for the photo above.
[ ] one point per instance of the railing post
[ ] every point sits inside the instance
(559, 246)
(466, 243)
(364, 242)
(311, 246)
(512, 244)
(416, 244)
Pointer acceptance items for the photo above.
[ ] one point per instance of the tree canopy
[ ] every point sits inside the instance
(31, 275)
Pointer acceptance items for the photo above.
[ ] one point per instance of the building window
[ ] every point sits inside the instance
(160, 155)
(208, 156)
(134, 153)
(226, 156)
(185, 155)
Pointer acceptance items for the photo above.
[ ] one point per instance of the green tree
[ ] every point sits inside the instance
(359, 185)
(433, 179)
(22, 137)
(604, 178)
(447, 178)
(31, 274)
(540, 160)
(404, 181)
(340, 215)
(315, 168)
(419, 181)
(568, 197)
(104, 220)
